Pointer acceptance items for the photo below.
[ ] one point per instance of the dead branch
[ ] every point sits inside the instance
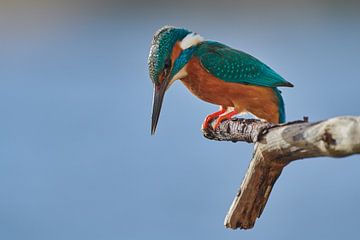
(275, 147)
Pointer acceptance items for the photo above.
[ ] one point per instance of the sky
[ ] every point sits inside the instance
(77, 160)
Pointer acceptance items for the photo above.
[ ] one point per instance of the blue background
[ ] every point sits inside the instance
(76, 157)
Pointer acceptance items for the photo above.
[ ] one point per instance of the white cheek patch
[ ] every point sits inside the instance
(181, 74)
(190, 40)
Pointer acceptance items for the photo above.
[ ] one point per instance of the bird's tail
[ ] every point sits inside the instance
(281, 105)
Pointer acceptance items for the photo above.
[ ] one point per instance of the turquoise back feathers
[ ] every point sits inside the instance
(232, 65)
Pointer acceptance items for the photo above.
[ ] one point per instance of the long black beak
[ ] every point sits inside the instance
(159, 92)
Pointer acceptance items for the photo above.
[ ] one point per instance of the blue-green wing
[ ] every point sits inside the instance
(232, 65)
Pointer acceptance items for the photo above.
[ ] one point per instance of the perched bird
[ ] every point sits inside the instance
(215, 73)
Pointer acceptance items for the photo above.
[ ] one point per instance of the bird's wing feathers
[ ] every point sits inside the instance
(231, 65)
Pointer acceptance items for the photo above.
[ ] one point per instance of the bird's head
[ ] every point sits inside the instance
(171, 49)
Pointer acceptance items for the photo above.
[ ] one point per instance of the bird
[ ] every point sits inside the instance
(216, 73)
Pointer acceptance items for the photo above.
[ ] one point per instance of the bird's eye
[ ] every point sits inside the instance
(167, 64)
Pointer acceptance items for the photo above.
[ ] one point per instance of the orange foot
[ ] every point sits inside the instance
(224, 117)
(209, 118)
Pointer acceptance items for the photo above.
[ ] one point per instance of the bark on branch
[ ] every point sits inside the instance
(275, 147)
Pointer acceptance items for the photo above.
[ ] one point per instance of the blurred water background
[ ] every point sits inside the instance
(76, 157)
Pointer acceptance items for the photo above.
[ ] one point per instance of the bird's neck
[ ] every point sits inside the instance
(190, 40)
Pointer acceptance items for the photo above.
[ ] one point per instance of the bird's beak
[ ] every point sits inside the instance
(159, 91)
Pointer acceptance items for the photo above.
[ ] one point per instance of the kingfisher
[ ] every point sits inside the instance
(216, 73)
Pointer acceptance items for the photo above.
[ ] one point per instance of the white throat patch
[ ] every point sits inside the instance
(190, 40)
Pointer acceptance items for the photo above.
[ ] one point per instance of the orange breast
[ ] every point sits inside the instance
(260, 101)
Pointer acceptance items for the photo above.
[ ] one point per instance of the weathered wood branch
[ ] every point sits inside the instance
(275, 147)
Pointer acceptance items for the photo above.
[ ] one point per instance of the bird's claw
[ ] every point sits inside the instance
(209, 118)
(223, 117)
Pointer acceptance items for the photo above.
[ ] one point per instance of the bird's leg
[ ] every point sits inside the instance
(209, 118)
(223, 117)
